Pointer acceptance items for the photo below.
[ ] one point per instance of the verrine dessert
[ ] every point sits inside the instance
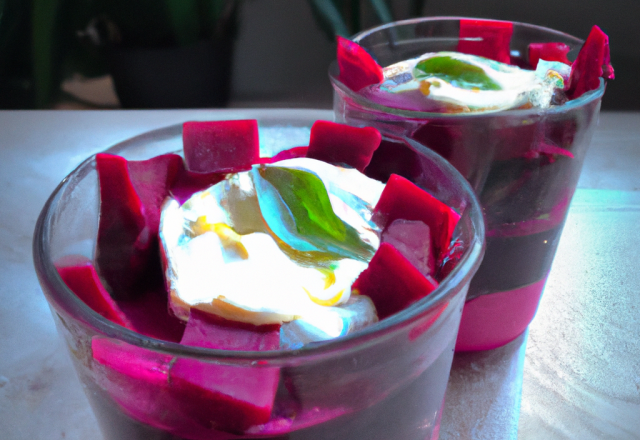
(225, 292)
(512, 106)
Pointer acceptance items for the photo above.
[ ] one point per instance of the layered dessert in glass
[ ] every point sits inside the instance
(513, 107)
(215, 281)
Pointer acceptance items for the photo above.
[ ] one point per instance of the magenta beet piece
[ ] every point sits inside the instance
(189, 183)
(149, 315)
(152, 180)
(220, 146)
(592, 63)
(548, 52)
(230, 398)
(124, 240)
(358, 69)
(343, 144)
(83, 280)
(210, 331)
(494, 39)
(392, 282)
(413, 240)
(402, 199)
(138, 380)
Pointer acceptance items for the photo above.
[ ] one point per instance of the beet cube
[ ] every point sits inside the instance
(124, 240)
(220, 146)
(343, 144)
(593, 62)
(152, 180)
(83, 280)
(229, 398)
(392, 282)
(358, 69)
(188, 183)
(138, 380)
(210, 331)
(413, 240)
(486, 38)
(149, 315)
(548, 52)
(402, 199)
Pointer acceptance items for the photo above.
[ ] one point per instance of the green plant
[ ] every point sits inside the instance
(41, 44)
(345, 17)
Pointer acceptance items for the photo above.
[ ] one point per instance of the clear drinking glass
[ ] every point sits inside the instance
(386, 381)
(523, 164)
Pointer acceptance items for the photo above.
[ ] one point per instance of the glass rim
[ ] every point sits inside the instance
(366, 103)
(61, 297)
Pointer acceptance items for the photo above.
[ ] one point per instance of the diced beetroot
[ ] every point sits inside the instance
(343, 144)
(189, 183)
(124, 241)
(210, 331)
(138, 380)
(402, 199)
(149, 315)
(393, 158)
(230, 398)
(413, 240)
(358, 69)
(83, 280)
(494, 39)
(392, 282)
(137, 363)
(220, 146)
(593, 62)
(548, 52)
(291, 153)
(152, 180)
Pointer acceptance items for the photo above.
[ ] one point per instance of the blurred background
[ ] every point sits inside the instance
(242, 53)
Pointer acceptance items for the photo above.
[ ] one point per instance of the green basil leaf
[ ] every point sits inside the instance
(307, 200)
(456, 72)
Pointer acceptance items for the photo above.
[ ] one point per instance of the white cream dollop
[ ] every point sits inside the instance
(516, 87)
(220, 256)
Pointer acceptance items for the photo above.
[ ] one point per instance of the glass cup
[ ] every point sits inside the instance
(386, 381)
(523, 165)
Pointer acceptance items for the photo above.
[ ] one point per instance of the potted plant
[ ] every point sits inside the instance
(166, 53)
(348, 17)
(161, 53)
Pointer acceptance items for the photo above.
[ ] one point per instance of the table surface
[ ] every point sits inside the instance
(576, 374)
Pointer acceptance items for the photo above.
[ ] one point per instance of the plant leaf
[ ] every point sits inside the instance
(382, 10)
(306, 198)
(456, 72)
(330, 18)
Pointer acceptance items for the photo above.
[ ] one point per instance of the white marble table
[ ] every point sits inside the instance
(576, 375)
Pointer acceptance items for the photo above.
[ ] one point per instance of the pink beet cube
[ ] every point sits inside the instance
(413, 240)
(358, 69)
(486, 38)
(343, 144)
(83, 280)
(593, 62)
(548, 52)
(402, 199)
(231, 398)
(392, 282)
(124, 241)
(220, 146)
(152, 180)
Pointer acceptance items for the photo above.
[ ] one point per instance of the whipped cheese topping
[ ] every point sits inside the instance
(453, 82)
(278, 243)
